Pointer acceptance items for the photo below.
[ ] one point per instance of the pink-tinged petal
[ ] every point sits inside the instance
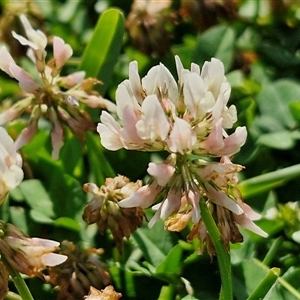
(179, 68)
(61, 52)
(6, 60)
(181, 138)
(215, 141)
(234, 142)
(160, 81)
(53, 259)
(74, 78)
(213, 75)
(57, 138)
(12, 177)
(251, 214)
(220, 198)
(15, 111)
(162, 172)
(109, 131)
(165, 209)
(26, 82)
(6, 143)
(193, 93)
(26, 135)
(153, 124)
(193, 198)
(195, 68)
(143, 197)
(245, 222)
(36, 37)
(51, 244)
(23, 41)
(135, 81)
(129, 132)
(125, 97)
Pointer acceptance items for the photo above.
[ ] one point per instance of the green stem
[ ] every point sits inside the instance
(18, 281)
(265, 285)
(273, 251)
(221, 251)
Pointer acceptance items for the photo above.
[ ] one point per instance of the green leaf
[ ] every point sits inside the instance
(151, 251)
(287, 286)
(37, 197)
(218, 42)
(67, 223)
(40, 217)
(295, 110)
(170, 266)
(282, 140)
(274, 100)
(265, 182)
(102, 52)
(265, 285)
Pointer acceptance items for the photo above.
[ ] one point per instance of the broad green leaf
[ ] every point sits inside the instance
(278, 56)
(18, 218)
(274, 100)
(282, 140)
(151, 251)
(40, 217)
(67, 223)
(102, 52)
(37, 197)
(295, 110)
(265, 182)
(218, 42)
(171, 265)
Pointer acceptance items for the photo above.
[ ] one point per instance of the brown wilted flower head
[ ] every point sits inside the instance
(27, 255)
(149, 25)
(3, 281)
(47, 94)
(83, 269)
(107, 294)
(104, 210)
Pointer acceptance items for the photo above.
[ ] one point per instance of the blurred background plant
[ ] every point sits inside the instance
(259, 44)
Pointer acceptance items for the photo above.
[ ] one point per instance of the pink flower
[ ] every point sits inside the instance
(182, 138)
(8, 65)
(220, 198)
(153, 124)
(109, 131)
(161, 172)
(217, 145)
(61, 52)
(143, 197)
(245, 219)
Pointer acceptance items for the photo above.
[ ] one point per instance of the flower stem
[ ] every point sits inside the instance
(221, 251)
(18, 281)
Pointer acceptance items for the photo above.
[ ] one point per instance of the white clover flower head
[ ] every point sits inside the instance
(50, 95)
(188, 119)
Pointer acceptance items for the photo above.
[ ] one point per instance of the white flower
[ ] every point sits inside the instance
(11, 173)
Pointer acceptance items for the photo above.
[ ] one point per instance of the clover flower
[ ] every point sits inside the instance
(27, 255)
(188, 119)
(48, 94)
(82, 270)
(11, 173)
(103, 209)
